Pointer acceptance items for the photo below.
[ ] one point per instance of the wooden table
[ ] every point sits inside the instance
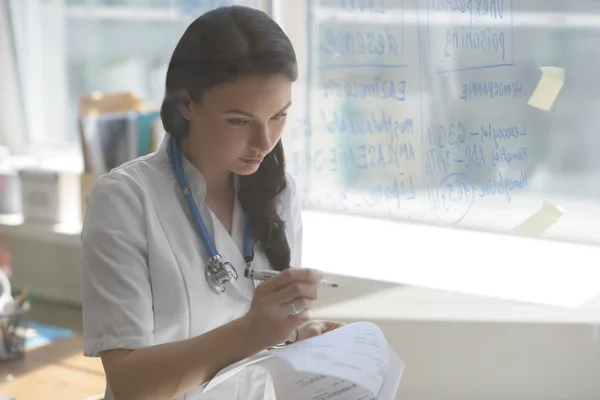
(55, 371)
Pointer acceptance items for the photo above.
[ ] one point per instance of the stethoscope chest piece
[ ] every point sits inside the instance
(219, 274)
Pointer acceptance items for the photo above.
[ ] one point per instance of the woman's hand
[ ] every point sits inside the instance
(317, 327)
(280, 305)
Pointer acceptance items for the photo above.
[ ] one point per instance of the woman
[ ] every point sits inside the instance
(148, 308)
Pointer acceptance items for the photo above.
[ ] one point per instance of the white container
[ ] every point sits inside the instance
(50, 197)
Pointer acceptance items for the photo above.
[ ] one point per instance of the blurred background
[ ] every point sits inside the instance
(423, 133)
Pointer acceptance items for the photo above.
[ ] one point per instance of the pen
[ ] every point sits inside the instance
(264, 274)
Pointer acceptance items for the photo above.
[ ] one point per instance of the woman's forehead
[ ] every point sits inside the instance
(252, 93)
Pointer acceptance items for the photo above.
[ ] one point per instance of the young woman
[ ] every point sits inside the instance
(161, 324)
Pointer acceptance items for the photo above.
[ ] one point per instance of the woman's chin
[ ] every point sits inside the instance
(245, 168)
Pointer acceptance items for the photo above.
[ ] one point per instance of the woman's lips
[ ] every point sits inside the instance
(252, 161)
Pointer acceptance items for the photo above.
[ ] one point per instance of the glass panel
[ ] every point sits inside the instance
(420, 111)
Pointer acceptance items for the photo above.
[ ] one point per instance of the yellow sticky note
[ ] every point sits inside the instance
(539, 222)
(548, 88)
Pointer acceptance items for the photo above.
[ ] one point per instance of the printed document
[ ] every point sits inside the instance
(353, 362)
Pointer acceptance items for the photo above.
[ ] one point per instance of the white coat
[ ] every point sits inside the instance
(143, 266)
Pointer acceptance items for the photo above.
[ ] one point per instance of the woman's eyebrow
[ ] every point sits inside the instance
(250, 115)
(285, 107)
(238, 111)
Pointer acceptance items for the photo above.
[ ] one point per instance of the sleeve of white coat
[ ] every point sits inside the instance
(116, 290)
(295, 222)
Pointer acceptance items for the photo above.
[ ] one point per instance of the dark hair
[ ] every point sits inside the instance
(222, 46)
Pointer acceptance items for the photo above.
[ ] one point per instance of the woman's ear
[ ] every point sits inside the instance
(185, 105)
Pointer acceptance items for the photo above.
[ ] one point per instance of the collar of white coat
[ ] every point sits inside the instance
(196, 181)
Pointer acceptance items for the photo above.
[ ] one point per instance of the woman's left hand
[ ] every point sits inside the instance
(316, 328)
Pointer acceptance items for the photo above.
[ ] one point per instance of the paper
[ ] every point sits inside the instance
(548, 88)
(359, 354)
(392, 381)
(317, 387)
(354, 362)
(320, 386)
(539, 222)
(233, 369)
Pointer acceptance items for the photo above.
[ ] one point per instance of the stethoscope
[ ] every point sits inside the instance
(218, 272)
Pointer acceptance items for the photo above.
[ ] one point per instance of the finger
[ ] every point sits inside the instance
(308, 332)
(332, 327)
(300, 319)
(297, 306)
(314, 331)
(296, 291)
(290, 276)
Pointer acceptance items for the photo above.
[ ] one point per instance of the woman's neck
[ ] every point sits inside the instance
(220, 190)
(218, 181)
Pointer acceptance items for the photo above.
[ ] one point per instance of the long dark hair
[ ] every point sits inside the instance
(222, 46)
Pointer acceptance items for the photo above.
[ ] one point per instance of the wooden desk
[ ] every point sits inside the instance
(58, 371)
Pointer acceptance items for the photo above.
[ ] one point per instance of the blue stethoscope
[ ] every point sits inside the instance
(218, 272)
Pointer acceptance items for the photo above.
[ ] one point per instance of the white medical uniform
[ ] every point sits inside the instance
(143, 266)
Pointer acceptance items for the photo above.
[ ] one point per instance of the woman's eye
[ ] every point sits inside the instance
(279, 116)
(238, 122)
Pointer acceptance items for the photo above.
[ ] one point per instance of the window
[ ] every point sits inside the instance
(69, 48)
(12, 129)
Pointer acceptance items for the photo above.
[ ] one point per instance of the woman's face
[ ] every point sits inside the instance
(235, 125)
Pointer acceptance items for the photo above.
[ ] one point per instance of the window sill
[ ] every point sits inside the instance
(48, 156)
(467, 262)
(502, 266)
(364, 300)
(13, 225)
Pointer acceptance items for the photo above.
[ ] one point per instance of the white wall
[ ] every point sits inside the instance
(461, 347)
(46, 268)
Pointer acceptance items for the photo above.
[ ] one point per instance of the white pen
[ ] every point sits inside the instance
(264, 274)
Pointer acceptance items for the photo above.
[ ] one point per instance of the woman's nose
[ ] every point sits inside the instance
(262, 139)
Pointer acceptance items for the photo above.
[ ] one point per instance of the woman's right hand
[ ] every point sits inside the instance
(270, 320)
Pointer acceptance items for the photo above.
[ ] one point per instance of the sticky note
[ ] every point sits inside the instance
(548, 88)
(539, 222)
